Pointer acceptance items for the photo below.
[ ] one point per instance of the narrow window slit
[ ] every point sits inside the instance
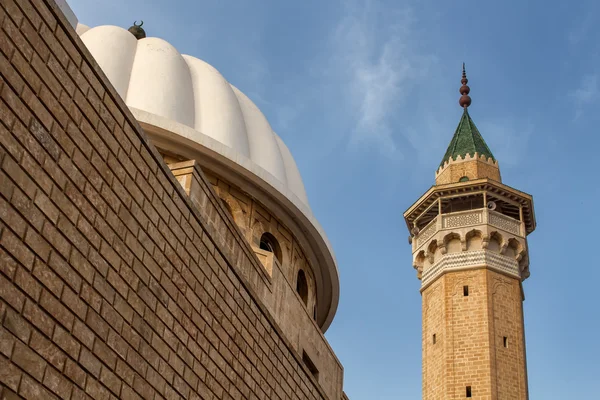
(434, 338)
(505, 341)
(310, 365)
(465, 290)
(468, 391)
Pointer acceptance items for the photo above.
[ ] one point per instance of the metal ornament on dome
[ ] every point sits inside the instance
(137, 30)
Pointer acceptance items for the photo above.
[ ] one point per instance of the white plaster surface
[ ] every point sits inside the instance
(151, 75)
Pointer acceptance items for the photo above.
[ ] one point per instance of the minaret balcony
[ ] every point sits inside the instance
(463, 220)
(470, 239)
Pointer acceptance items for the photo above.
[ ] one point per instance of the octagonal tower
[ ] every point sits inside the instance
(469, 244)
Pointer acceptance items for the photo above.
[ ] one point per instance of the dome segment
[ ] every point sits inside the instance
(81, 29)
(161, 82)
(264, 150)
(294, 180)
(216, 107)
(114, 50)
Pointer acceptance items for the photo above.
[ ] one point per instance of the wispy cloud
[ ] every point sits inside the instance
(587, 92)
(581, 29)
(374, 59)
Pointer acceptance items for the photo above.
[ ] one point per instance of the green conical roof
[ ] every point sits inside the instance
(466, 140)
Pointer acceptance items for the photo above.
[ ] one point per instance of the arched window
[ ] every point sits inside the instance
(270, 244)
(302, 286)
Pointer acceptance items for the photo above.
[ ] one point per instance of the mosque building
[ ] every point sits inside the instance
(157, 242)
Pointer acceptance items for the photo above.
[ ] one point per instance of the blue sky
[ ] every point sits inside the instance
(365, 94)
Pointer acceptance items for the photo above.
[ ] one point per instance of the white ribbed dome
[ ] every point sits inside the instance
(152, 76)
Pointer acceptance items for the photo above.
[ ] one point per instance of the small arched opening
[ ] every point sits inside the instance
(302, 286)
(270, 244)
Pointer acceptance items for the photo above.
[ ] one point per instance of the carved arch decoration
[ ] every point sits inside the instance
(524, 266)
(496, 242)
(452, 236)
(418, 263)
(470, 236)
(257, 228)
(500, 283)
(233, 205)
(431, 249)
(517, 247)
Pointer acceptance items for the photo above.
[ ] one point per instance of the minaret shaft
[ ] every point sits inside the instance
(479, 341)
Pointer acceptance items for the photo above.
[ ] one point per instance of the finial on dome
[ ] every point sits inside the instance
(465, 100)
(137, 30)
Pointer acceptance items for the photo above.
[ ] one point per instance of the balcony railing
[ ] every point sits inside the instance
(464, 219)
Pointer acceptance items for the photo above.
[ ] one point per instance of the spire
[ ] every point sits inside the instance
(465, 100)
(466, 140)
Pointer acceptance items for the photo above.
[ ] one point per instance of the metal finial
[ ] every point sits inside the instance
(465, 100)
(137, 30)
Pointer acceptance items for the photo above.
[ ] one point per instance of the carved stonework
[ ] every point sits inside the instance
(503, 222)
(461, 219)
(468, 260)
(427, 232)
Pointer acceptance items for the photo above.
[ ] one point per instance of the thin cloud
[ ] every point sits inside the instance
(587, 93)
(582, 29)
(374, 60)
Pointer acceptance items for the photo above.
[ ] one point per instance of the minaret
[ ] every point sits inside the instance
(469, 244)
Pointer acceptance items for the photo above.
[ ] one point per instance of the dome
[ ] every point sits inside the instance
(154, 78)
(187, 107)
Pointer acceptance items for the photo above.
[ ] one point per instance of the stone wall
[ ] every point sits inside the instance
(112, 283)
(471, 168)
(274, 287)
(434, 313)
(254, 219)
(469, 348)
(505, 304)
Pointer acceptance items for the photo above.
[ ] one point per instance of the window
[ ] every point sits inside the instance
(310, 365)
(505, 341)
(270, 244)
(468, 391)
(434, 339)
(302, 286)
(315, 312)
(464, 179)
(465, 290)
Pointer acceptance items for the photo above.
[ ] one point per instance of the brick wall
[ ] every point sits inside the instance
(112, 284)
(472, 169)
(434, 317)
(469, 348)
(505, 302)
